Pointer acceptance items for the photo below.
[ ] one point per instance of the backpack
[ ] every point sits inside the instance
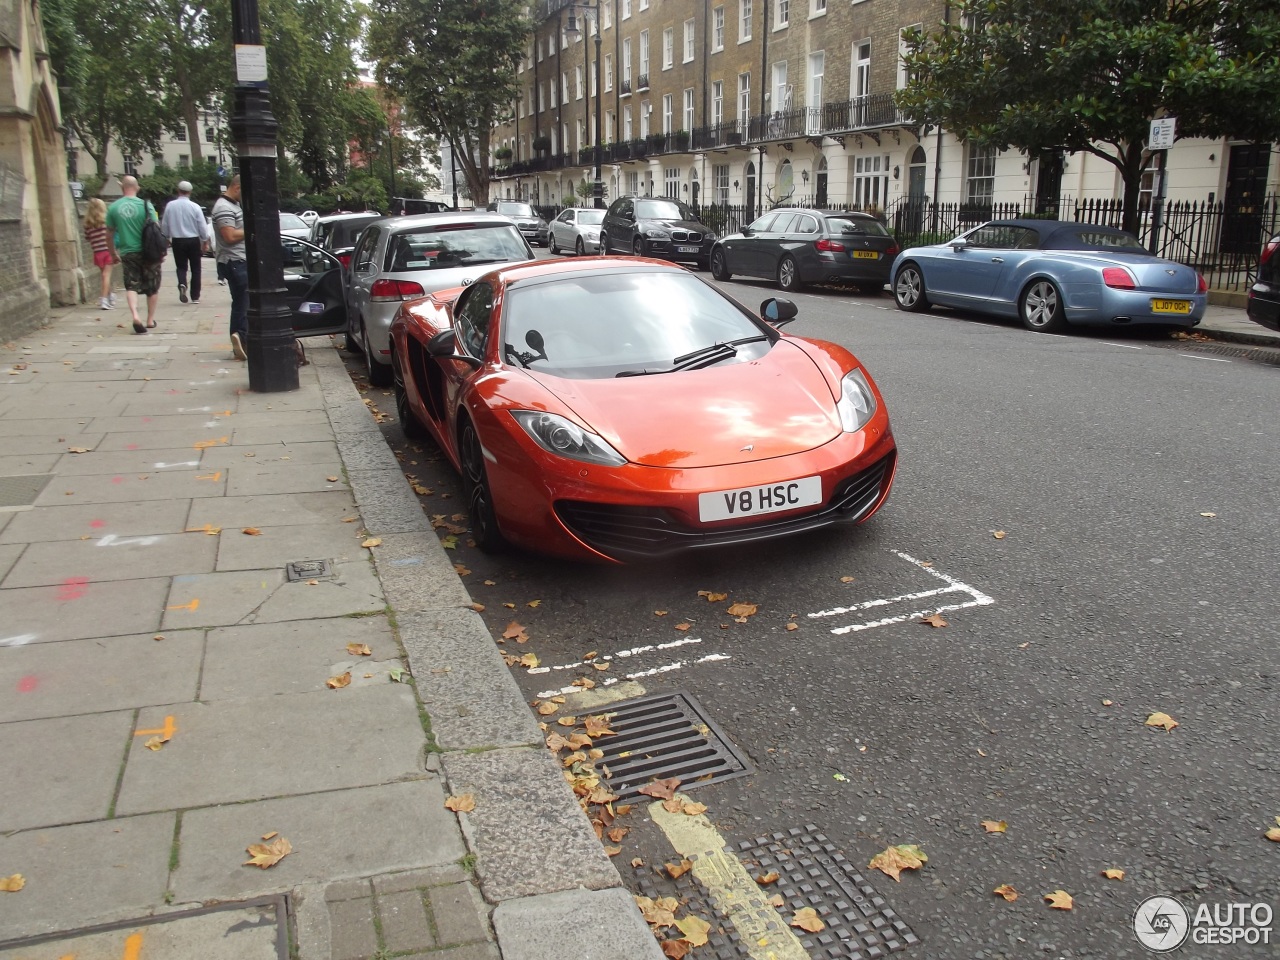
(154, 245)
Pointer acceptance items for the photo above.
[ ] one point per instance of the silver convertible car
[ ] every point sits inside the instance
(1050, 273)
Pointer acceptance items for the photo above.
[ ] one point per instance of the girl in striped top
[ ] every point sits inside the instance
(95, 231)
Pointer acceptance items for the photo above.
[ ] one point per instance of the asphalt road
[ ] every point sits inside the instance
(1111, 595)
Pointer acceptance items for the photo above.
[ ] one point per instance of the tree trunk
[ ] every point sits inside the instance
(1131, 175)
(191, 117)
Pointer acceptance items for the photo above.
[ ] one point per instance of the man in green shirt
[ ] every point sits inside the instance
(125, 218)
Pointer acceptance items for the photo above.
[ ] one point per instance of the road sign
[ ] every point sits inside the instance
(222, 172)
(1162, 133)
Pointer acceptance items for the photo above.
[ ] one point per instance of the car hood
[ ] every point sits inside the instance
(777, 405)
(692, 225)
(442, 279)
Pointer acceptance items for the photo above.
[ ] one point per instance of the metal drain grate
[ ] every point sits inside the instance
(1267, 355)
(21, 491)
(665, 736)
(812, 873)
(308, 570)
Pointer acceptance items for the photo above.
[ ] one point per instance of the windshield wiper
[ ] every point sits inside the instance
(704, 357)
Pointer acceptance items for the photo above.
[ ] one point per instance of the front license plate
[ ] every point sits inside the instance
(753, 501)
(866, 255)
(686, 249)
(1170, 306)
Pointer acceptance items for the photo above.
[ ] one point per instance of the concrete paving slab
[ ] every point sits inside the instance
(49, 443)
(95, 520)
(353, 590)
(219, 599)
(186, 440)
(325, 451)
(235, 750)
(369, 451)
(387, 505)
(417, 574)
(534, 928)
(96, 676)
(9, 554)
(288, 433)
(121, 487)
(86, 873)
(127, 461)
(236, 932)
(306, 397)
(5, 517)
(276, 546)
(73, 610)
(113, 557)
(42, 410)
(150, 423)
(282, 419)
(255, 479)
(62, 426)
(267, 659)
(463, 683)
(335, 835)
(273, 510)
(20, 464)
(516, 789)
(60, 769)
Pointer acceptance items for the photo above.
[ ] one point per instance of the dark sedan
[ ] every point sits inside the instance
(1264, 295)
(793, 247)
(656, 227)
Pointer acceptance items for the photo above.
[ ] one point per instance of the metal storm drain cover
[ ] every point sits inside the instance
(21, 491)
(665, 736)
(308, 569)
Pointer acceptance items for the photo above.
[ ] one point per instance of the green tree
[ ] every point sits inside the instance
(453, 66)
(1090, 75)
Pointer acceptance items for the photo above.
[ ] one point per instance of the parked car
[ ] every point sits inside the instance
(399, 206)
(612, 409)
(656, 227)
(793, 247)
(1050, 273)
(533, 227)
(309, 217)
(403, 258)
(339, 232)
(577, 229)
(292, 225)
(1264, 295)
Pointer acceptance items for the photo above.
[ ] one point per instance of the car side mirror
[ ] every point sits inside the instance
(745, 231)
(959, 243)
(444, 346)
(777, 311)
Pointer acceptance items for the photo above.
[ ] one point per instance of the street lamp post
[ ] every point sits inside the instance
(597, 190)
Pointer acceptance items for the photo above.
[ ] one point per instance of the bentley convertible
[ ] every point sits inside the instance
(619, 408)
(1048, 274)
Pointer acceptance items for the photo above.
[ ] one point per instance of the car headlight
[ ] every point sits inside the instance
(564, 438)
(593, 234)
(657, 234)
(857, 403)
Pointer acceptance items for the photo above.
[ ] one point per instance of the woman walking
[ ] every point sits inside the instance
(95, 231)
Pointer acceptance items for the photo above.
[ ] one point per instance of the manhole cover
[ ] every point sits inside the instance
(308, 569)
(248, 930)
(665, 736)
(129, 363)
(21, 491)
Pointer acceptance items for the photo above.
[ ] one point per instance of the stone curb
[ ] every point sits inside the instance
(1264, 337)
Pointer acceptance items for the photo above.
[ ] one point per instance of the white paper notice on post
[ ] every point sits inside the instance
(251, 63)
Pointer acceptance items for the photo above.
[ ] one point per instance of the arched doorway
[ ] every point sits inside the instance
(751, 192)
(820, 190)
(784, 186)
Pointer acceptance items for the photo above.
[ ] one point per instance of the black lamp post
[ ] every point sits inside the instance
(271, 348)
(597, 190)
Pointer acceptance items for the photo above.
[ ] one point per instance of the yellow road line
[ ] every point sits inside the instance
(734, 893)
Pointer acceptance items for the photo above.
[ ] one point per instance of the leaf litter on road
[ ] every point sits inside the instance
(893, 860)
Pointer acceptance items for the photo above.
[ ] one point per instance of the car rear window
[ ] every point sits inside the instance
(663, 210)
(1095, 239)
(515, 209)
(856, 226)
(345, 233)
(291, 221)
(454, 245)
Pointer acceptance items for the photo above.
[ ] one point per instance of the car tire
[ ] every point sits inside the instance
(720, 266)
(479, 496)
(351, 343)
(412, 428)
(379, 373)
(552, 246)
(604, 244)
(788, 275)
(637, 247)
(909, 290)
(1041, 308)
(580, 248)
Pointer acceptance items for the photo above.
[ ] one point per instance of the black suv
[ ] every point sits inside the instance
(656, 227)
(1264, 295)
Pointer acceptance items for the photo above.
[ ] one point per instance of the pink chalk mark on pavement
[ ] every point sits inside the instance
(131, 446)
(73, 588)
(28, 684)
(97, 524)
(117, 479)
(146, 419)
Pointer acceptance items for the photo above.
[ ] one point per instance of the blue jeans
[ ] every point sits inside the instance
(237, 275)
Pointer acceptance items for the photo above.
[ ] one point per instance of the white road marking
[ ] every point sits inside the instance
(1192, 356)
(579, 664)
(184, 463)
(111, 540)
(18, 640)
(652, 672)
(194, 409)
(1127, 346)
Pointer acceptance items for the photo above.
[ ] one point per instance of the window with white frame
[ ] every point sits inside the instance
(184, 159)
(744, 20)
(577, 82)
(520, 108)
(720, 183)
(980, 175)
(626, 9)
(668, 48)
(644, 4)
(671, 182)
(717, 29)
(644, 53)
(564, 40)
(744, 96)
(626, 61)
(551, 45)
(606, 15)
(608, 72)
(539, 43)
(628, 132)
(717, 102)
(668, 112)
(581, 131)
(646, 111)
(593, 84)
(781, 91)
(690, 33)
(610, 122)
(903, 75)
(784, 14)
(860, 81)
(542, 97)
(688, 108)
(871, 181)
(817, 65)
(817, 8)
(633, 182)
(564, 87)
(564, 136)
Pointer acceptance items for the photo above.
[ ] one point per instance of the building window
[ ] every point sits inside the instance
(542, 97)
(606, 15)
(577, 82)
(594, 91)
(552, 101)
(580, 130)
(646, 111)
(644, 4)
(860, 82)
(671, 182)
(644, 53)
(626, 61)
(903, 76)
(180, 135)
(744, 20)
(633, 182)
(609, 122)
(689, 34)
(209, 135)
(871, 181)
(717, 102)
(184, 160)
(131, 165)
(720, 183)
(744, 96)
(668, 112)
(717, 29)
(781, 92)
(688, 108)
(564, 40)
(564, 88)
(817, 8)
(784, 12)
(817, 65)
(539, 51)
(608, 72)
(668, 48)
(626, 9)
(980, 179)
(628, 132)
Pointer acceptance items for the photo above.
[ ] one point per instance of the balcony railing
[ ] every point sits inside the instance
(642, 82)
(624, 88)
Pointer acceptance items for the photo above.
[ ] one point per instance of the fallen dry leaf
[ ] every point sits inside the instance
(534, 604)
(1006, 890)
(611, 851)
(998, 534)
(693, 809)
(671, 805)
(675, 949)
(660, 789)
(1106, 703)
(1113, 873)
(529, 660)
(338, 682)
(514, 631)
(806, 918)
(461, 569)
(77, 449)
(266, 855)
(155, 743)
(1274, 832)
(742, 610)
(12, 883)
(658, 913)
(933, 620)
(776, 901)
(478, 607)
(598, 726)
(637, 862)
(767, 878)
(546, 708)
(1060, 900)
(847, 579)
(995, 826)
(1207, 514)
(1161, 720)
(564, 721)
(463, 803)
(682, 627)
(350, 519)
(677, 870)
(713, 597)
(359, 650)
(372, 542)
(251, 532)
(332, 479)
(793, 626)
(661, 613)
(583, 682)
(617, 833)
(271, 836)
(893, 860)
(695, 929)
(600, 666)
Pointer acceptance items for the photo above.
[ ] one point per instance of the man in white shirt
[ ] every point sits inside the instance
(183, 223)
(228, 223)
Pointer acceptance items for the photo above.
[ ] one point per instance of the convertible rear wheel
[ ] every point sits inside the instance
(908, 289)
(720, 265)
(475, 482)
(1041, 308)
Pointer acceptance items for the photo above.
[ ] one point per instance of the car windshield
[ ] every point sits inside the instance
(589, 217)
(594, 326)
(510, 209)
(663, 210)
(291, 221)
(454, 245)
(344, 233)
(856, 226)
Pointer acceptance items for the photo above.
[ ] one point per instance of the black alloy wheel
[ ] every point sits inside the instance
(475, 484)
(410, 425)
(638, 248)
(720, 265)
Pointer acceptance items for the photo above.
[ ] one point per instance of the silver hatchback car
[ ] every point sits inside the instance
(403, 258)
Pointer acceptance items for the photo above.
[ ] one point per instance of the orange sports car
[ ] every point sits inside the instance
(619, 408)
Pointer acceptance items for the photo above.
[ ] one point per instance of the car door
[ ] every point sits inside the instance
(770, 243)
(740, 251)
(965, 274)
(799, 242)
(314, 289)
(361, 274)
(562, 228)
(621, 227)
(472, 313)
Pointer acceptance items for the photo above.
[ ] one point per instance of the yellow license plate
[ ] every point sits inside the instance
(865, 255)
(1170, 306)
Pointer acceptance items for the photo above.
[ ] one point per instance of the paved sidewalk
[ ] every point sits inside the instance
(1233, 324)
(163, 682)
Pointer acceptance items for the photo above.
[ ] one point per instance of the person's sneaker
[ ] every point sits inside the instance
(195, 299)
(111, 299)
(237, 347)
(222, 283)
(182, 292)
(104, 303)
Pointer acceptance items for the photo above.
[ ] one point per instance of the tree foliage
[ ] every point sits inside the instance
(1090, 75)
(453, 65)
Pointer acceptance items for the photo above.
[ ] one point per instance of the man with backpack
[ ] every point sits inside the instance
(138, 247)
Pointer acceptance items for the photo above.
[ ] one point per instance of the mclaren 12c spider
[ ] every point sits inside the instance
(616, 408)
